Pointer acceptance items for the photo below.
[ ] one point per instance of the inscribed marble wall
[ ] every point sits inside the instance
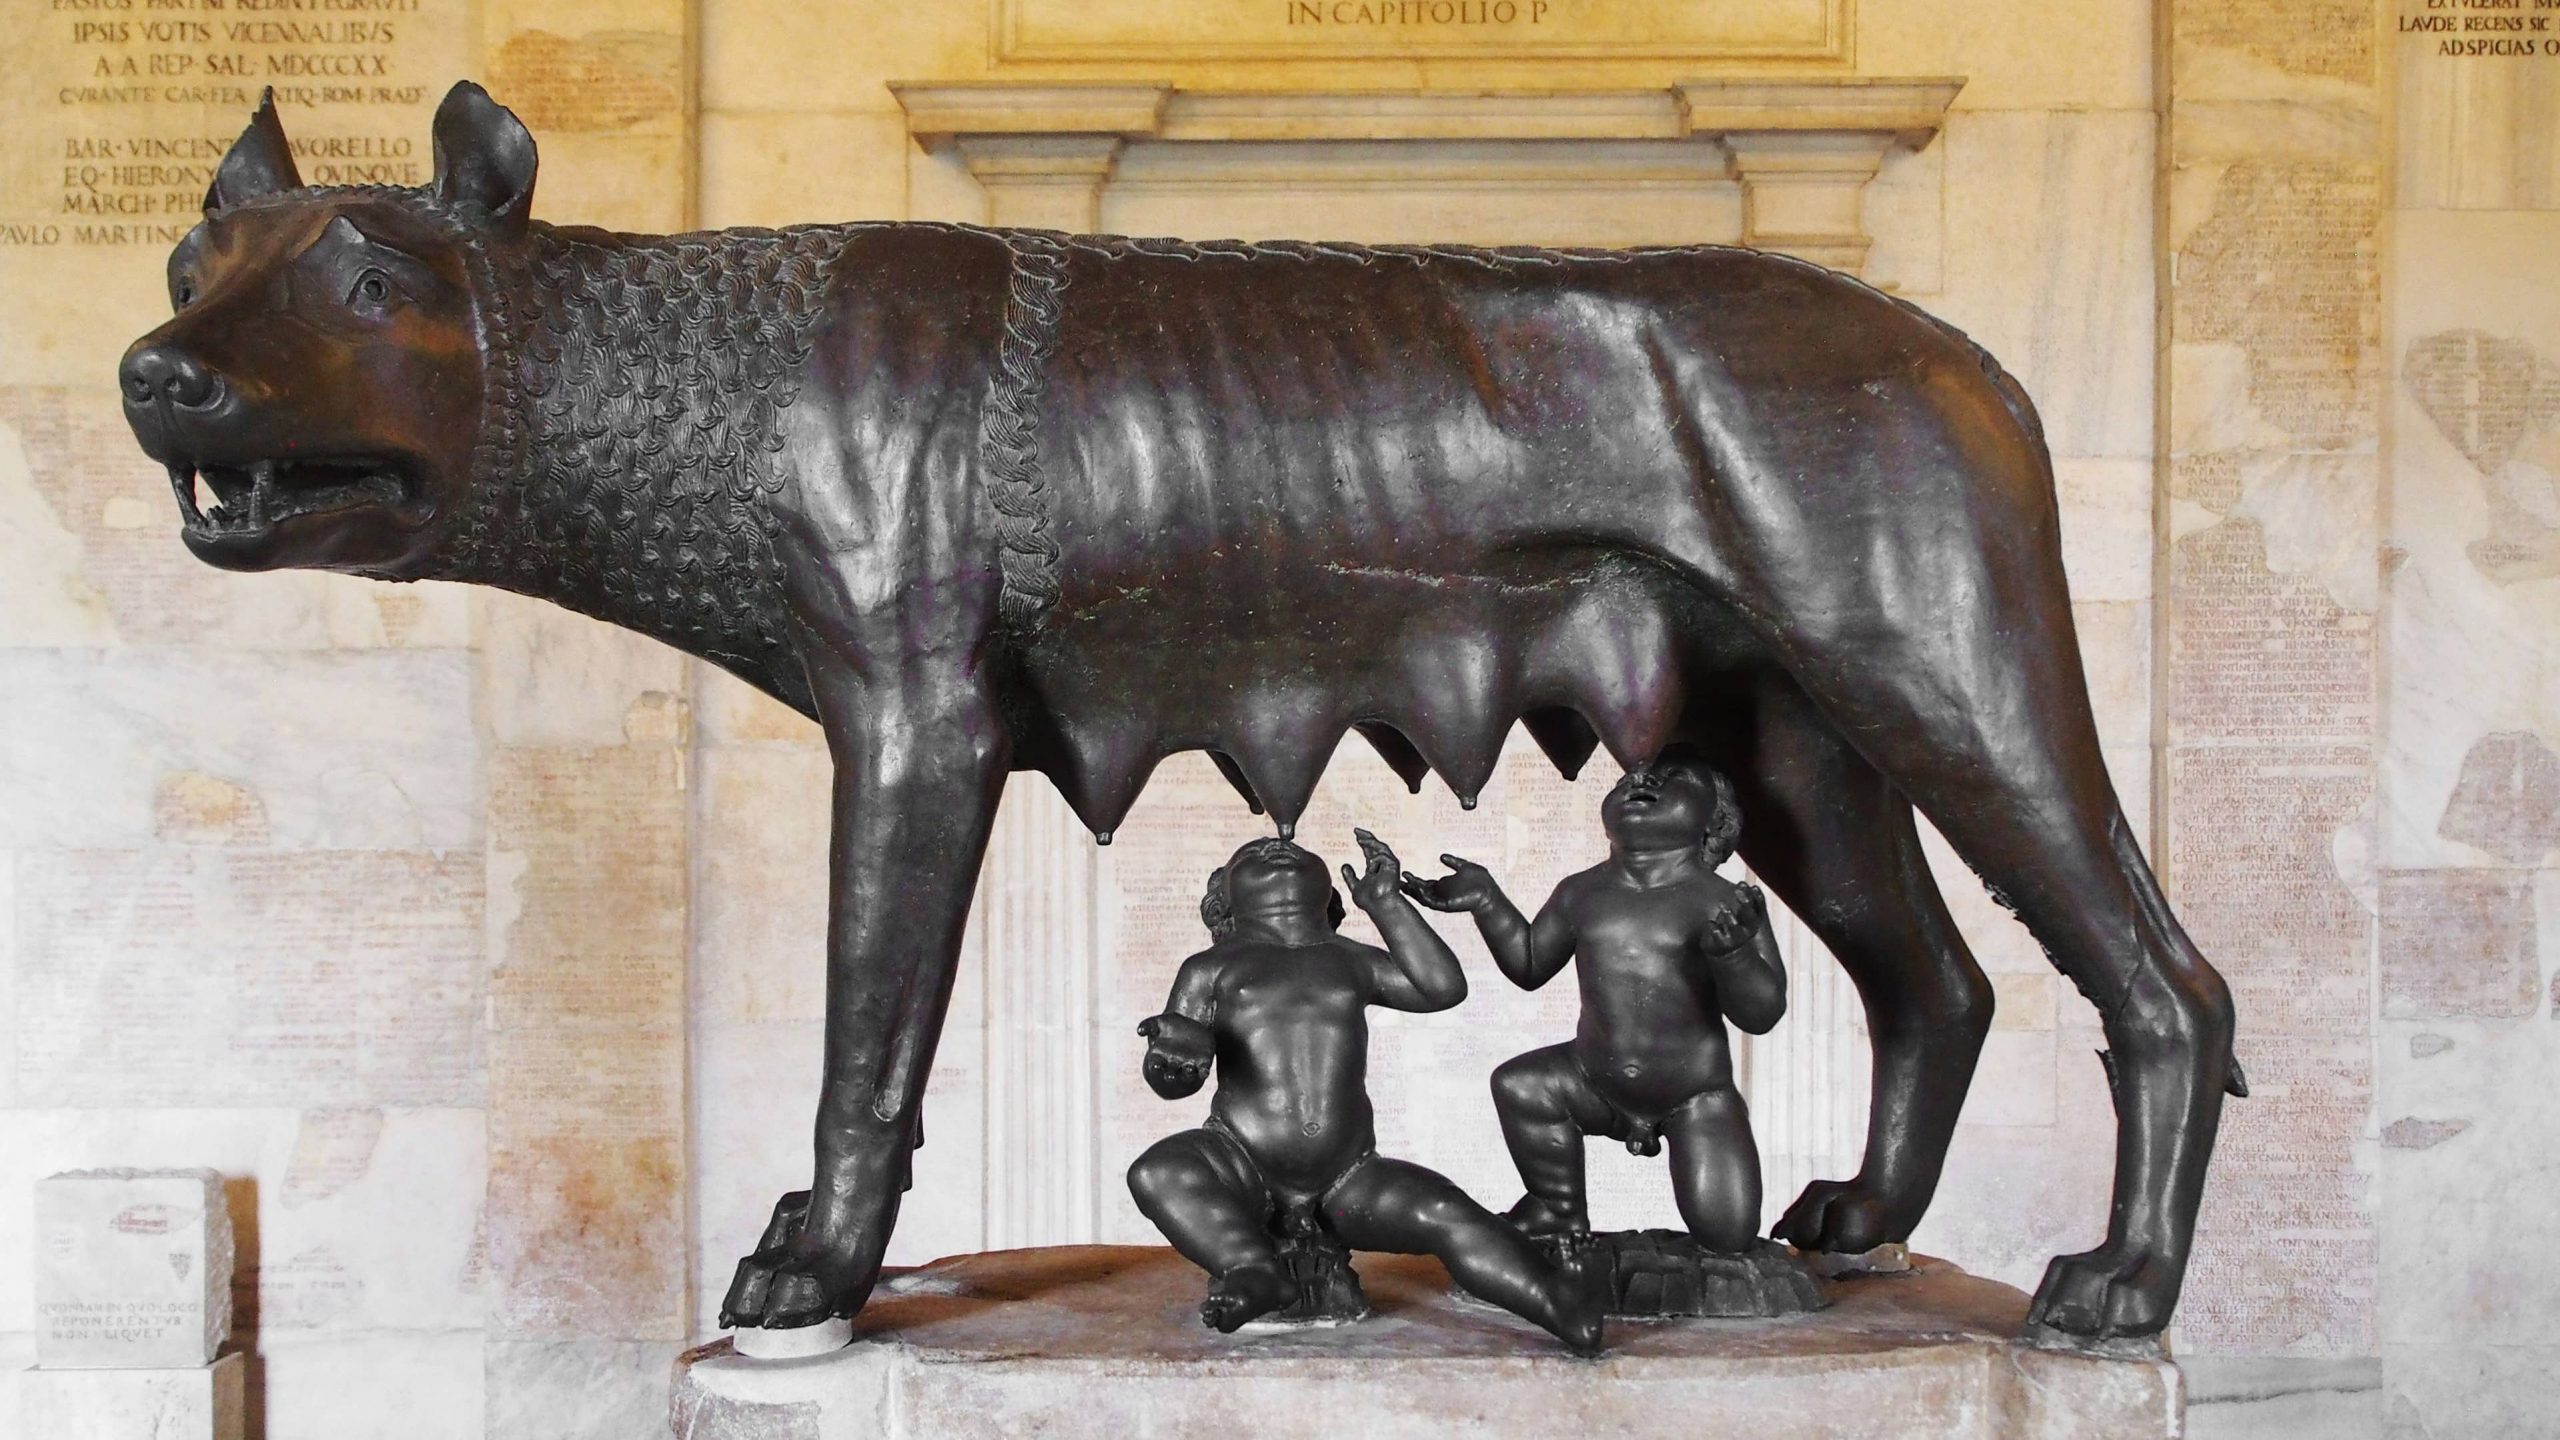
(2361, 334)
(240, 816)
(373, 897)
(2273, 186)
(590, 814)
(2467, 1035)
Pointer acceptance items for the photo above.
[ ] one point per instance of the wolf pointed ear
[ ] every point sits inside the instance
(484, 157)
(260, 162)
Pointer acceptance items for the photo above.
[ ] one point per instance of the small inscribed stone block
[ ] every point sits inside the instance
(133, 1269)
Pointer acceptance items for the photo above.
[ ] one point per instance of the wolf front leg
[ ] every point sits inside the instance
(920, 762)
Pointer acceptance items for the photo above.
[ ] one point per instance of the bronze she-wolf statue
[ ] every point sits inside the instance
(983, 501)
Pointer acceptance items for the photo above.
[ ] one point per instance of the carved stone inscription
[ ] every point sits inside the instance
(2483, 29)
(1039, 30)
(231, 978)
(123, 107)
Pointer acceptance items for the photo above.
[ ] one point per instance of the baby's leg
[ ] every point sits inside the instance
(1203, 1192)
(1547, 1105)
(1715, 1169)
(1404, 1209)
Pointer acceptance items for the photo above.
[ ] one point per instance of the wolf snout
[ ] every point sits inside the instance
(152, 374)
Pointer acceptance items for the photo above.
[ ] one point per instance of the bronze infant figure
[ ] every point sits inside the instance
(1666, 951)
(986, 501)
(1290, 1148)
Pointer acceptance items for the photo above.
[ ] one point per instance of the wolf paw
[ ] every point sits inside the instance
(797, 1277)
(2117, 1291)
(1845, 1217)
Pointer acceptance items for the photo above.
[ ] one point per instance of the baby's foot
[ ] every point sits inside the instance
(1582, 1300)
(1244, 1293)
(1536, 1216)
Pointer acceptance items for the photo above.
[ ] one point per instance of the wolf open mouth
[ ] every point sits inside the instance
(244, 500)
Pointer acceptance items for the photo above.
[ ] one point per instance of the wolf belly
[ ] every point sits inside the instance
(1420, 494)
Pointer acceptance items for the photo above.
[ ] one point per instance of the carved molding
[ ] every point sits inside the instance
(1802, 150)
(941, 110)
(1044, 181)
(1909, 111)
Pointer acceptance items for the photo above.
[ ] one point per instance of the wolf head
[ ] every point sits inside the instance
(319, 394)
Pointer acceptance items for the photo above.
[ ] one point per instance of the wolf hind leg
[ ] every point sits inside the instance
(2014, 780)
(1935, 635)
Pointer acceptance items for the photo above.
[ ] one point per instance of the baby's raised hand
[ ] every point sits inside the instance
(1377, 885)
(1734, 925)
(1467, 886)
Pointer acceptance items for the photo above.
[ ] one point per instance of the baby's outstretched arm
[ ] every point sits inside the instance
(1180, 1043)
(1417, 972)
(1742, 954)
(1529, 952)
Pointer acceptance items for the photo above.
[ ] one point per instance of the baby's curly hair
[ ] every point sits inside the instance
(1217, 907)
(1724, 824)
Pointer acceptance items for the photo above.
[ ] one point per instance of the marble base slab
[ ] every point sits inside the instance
(202, 1402)
(1890, 1258)
(1106, 1341)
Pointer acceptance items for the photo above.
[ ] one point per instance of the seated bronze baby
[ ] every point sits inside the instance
(1288, 1157)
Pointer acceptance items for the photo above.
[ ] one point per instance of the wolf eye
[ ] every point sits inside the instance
(373, 290)
(185, 292)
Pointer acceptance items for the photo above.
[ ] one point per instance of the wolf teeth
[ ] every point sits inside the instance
(182, 482)
(267, 500)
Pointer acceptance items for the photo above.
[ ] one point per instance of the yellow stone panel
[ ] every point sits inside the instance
(1038, 30)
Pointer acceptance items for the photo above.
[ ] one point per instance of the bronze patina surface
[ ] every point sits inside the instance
(985, 501)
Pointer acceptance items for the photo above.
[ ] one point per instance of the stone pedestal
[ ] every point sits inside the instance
(198, 1402)
(1106, 1341)
(133, 1304)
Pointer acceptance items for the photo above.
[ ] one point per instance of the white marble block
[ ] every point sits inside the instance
(133, 1270)
(199, 1402)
